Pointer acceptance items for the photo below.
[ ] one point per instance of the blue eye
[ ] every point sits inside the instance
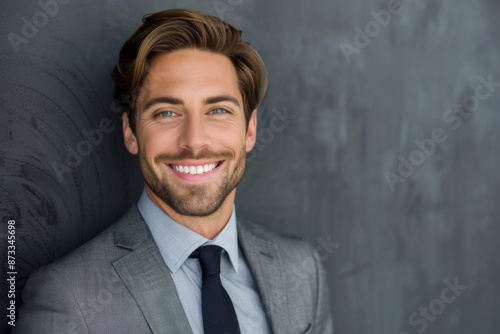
(167, 114)
(218, 111)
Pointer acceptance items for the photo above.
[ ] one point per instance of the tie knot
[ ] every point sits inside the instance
(209, 257)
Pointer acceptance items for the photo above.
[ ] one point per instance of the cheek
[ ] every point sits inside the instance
(152, 140)
(233, 137)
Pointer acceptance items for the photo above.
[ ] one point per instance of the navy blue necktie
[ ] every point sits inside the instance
(219, 316)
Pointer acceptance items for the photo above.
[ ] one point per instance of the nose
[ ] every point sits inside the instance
(194, 134)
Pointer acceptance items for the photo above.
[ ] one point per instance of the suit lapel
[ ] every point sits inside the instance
(265, 263)
(148, 279)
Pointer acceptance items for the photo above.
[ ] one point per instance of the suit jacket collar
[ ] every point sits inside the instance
(265, 263)
(148, 279)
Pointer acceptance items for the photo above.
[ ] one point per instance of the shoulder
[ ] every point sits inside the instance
(88, 270)
(295, 266)
(66, 294)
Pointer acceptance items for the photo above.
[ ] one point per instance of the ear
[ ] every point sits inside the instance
(251, 131)
(128, 135)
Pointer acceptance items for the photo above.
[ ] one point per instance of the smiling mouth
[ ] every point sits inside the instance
(196, 169)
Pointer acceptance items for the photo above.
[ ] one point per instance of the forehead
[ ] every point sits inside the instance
(190, 73)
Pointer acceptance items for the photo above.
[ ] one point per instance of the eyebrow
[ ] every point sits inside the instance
(222, 98)
(176, 101)
(162, 99)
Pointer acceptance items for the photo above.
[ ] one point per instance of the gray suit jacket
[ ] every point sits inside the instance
(119, 283)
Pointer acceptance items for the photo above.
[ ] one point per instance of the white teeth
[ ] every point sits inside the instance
(194, 169)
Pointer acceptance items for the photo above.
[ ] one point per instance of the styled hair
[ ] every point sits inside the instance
(177, 29)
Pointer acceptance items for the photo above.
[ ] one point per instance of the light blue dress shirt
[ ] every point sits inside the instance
(176, 242)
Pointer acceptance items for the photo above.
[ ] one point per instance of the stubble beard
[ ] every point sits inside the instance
(198, 200)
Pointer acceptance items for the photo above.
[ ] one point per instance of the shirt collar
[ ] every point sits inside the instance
(176, 242)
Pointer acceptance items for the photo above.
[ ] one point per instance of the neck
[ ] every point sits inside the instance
(206, 226)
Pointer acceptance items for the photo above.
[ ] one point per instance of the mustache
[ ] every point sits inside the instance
(186, 155)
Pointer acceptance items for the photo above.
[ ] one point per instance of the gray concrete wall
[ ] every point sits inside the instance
(388, 161)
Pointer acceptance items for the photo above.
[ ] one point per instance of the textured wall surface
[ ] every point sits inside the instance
(386, 157)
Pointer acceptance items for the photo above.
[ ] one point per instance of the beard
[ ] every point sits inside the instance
(198, 200)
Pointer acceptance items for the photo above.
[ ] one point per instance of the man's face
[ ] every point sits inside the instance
(190, 131)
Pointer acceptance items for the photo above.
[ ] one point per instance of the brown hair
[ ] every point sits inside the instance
(177, 29)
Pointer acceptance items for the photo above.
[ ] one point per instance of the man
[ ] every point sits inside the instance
(180, 261)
